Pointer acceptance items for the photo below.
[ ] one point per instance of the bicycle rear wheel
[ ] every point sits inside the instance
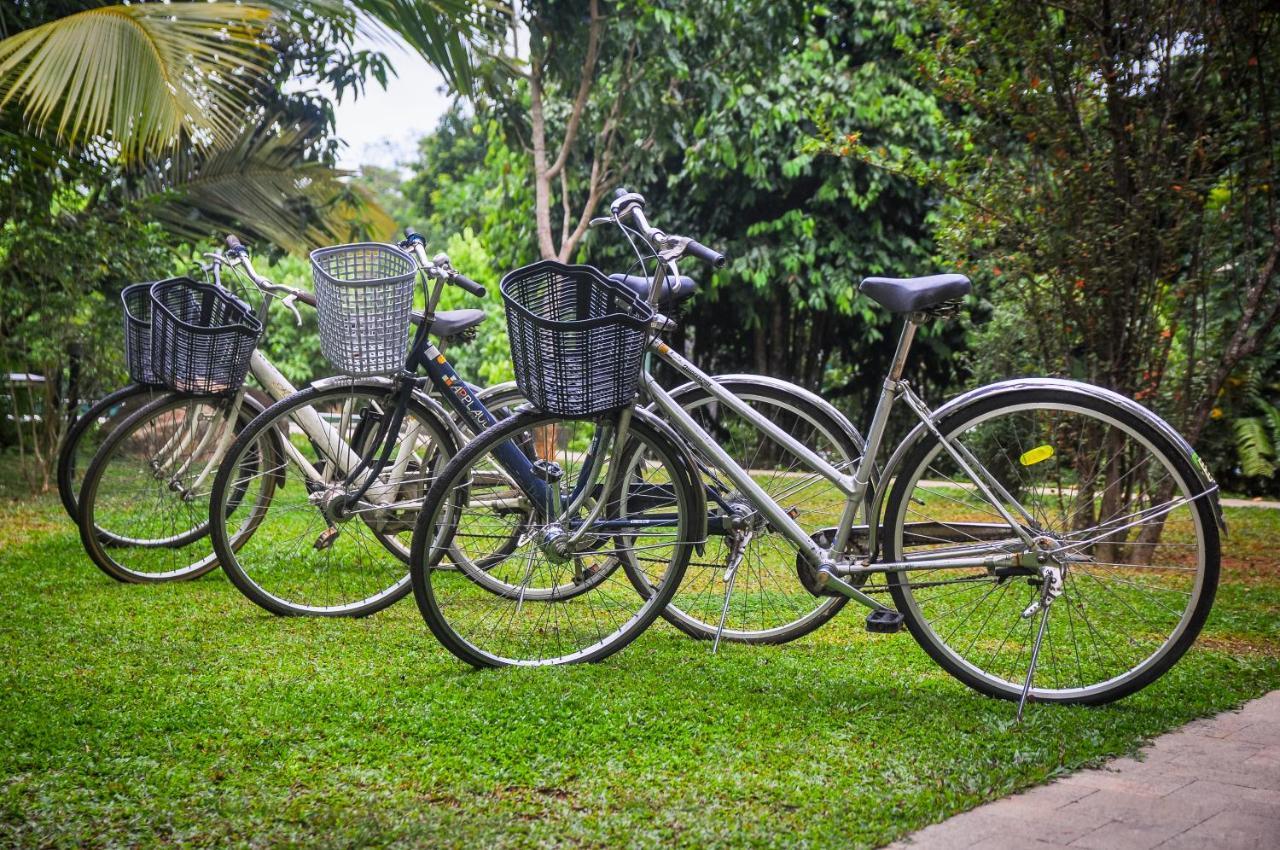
(767, 602)
(1109, 500)
(144, 511)
(308, 550)
(520, 592)
(86, 434)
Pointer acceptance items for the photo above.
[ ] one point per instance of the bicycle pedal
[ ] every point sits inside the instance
(884, 621)
(326, 538)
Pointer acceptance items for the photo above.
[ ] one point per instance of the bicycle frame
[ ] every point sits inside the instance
(854, 486)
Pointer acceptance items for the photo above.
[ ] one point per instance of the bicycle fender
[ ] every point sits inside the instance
(489, 392)
(1076, 387)
(686, 467)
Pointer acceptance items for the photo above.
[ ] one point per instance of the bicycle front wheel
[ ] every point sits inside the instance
(1108, 500)
(310, 549)
(144, 512)
(523, 590)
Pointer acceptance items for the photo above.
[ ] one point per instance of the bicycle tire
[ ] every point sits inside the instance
(1200, 525)
(100, 543)
(69, 470)
(439, 518)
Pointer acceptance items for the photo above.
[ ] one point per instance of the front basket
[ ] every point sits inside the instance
(577, 338)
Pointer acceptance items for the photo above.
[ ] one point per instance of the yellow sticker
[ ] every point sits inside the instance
(1036, 455)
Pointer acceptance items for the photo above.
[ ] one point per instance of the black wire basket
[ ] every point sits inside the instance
(202, 336)
(137, 333)
(577, 338)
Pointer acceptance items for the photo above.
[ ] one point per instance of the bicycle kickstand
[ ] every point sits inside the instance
(1051, 589)
(736, 554)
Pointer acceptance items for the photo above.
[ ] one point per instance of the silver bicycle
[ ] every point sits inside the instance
(1042, 539)
(359, 450)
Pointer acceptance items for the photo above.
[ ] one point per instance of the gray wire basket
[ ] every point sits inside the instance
(364, 294)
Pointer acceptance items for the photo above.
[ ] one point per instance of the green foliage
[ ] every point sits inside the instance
(59, 292)
(128, 130)
(1110, 188)
(1256, 426)
(466, 175)
(803, 228)
(137, 75)
(1255, 444)
(268, 185)
(472, 200)
(486, 360)
(714, 120)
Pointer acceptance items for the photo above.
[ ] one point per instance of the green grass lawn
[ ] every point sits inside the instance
(183, 714)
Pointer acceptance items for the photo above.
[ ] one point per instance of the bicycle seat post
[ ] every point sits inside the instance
(892, 383)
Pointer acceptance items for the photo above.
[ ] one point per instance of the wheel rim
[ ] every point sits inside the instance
(1122, 611)
(281, 549)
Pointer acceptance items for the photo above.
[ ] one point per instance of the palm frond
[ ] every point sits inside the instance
(266, 186)
(143, 76)
(444, 32)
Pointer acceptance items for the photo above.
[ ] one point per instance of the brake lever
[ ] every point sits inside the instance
(288, 301)
(600, 221)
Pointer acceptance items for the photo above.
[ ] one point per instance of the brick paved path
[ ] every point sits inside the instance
(1214, 783)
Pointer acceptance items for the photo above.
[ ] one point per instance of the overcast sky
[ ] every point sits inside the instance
(383, 127)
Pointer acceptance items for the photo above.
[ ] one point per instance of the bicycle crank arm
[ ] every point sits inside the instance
(828, 580)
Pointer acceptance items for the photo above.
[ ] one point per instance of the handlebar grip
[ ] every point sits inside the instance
(308, 298)
(233, 242)
(468, 284)
(709, 256)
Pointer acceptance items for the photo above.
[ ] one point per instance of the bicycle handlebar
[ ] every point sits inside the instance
(460, 280)
(439, 267)
(628, 203)
(238, 255)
